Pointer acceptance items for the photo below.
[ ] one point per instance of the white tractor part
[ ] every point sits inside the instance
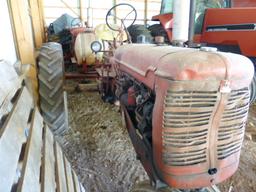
(82, 48)
(181, 10)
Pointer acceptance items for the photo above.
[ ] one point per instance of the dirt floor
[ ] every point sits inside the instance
(102, 154)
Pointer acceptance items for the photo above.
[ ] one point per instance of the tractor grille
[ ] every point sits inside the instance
(231, 130)
(186, 120)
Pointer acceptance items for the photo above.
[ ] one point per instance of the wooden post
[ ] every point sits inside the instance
(81, 4)
(36, 22)
(42, 21)
(145, 11)
(24, 38)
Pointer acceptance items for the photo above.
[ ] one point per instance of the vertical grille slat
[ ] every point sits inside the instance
(232, 125)
(187, 114)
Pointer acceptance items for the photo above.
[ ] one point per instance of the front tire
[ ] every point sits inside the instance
(51, 93)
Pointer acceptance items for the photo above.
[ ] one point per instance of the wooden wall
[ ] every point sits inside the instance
(55, 8)
(26, 17)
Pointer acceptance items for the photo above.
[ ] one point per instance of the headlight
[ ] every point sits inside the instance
(96, 46)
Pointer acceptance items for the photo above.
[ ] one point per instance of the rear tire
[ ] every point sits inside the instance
(51, 93)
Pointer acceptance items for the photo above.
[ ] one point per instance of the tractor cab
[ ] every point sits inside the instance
(166, 14)
(228, 25)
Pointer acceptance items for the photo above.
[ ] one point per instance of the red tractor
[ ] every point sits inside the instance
(185, 110)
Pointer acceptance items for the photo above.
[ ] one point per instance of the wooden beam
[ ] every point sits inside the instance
(81, 7)
(145, 11)
(24, 38)
(36, 22)
(69, 7)
(42, 19)
(13, 132)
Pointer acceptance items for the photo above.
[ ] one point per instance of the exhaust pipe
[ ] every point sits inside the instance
(181, 10)
(192, 15)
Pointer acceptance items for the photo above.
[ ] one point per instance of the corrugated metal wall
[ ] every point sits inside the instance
(55, 8)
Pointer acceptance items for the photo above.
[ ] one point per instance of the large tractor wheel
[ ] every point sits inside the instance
(51, 93)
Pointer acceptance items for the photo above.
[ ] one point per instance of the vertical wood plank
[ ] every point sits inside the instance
(60, 169)
(23, 30)
(69, 177)
(31, 169)
(81, 8)
(36, 22)
(11, 139)
(24, 38)
(42, 21)
(48, 169)
(145, 12)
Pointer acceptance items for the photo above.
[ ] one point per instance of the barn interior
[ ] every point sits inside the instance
(127, 96)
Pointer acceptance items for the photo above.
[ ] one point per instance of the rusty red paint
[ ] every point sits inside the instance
(170, 71)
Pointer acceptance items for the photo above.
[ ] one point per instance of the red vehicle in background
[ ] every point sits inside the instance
(226, 24)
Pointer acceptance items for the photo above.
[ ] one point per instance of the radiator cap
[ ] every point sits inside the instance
(208, 49)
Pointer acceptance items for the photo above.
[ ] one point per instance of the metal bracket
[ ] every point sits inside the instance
(225, 86)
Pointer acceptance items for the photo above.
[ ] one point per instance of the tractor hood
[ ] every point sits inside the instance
(183, 64)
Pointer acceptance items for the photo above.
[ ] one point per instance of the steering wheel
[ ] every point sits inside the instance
(111, 13)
